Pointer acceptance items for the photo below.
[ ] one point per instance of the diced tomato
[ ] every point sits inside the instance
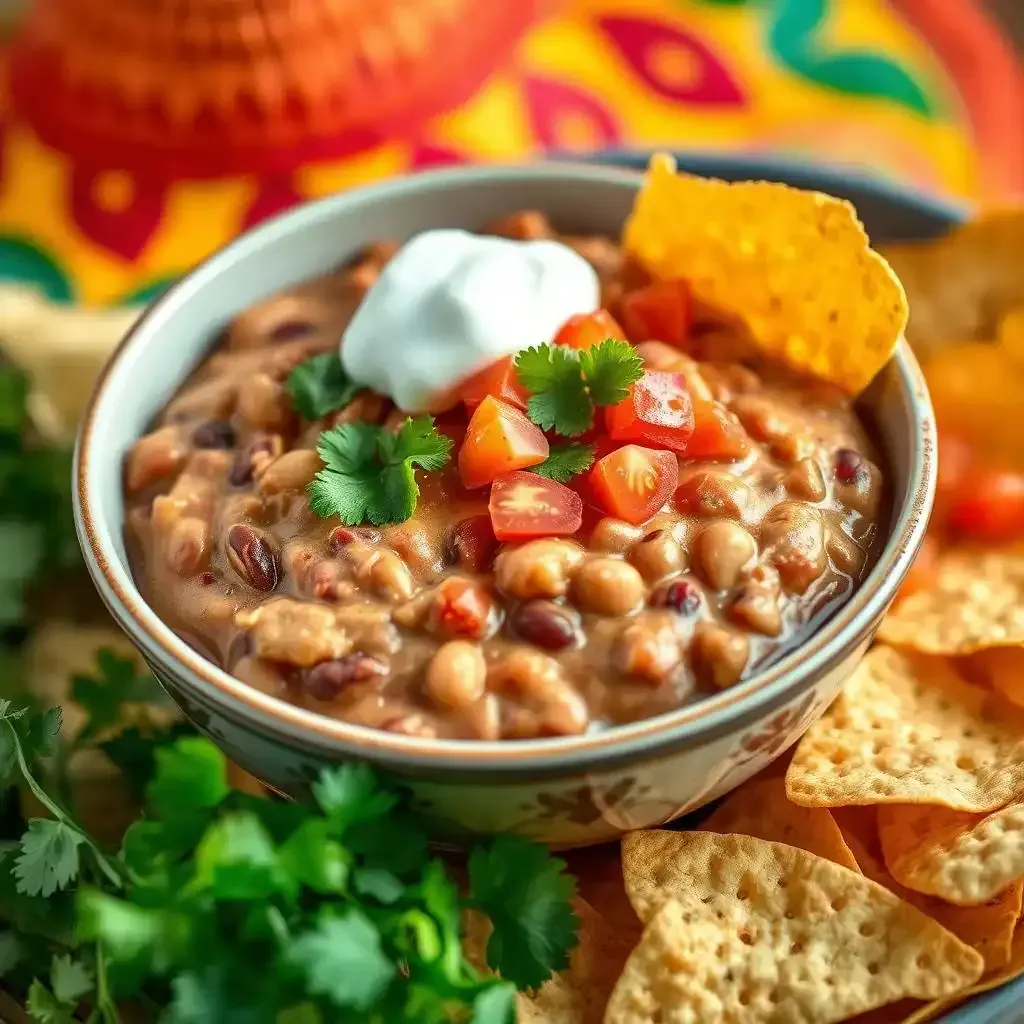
(525, 505)
(657, 411)
(923, 572)
(499, 439)
(499, 380)
(462, 608)
(717, 434)
(659, 312)
(587, 329)
(989, 506)
(633, 482)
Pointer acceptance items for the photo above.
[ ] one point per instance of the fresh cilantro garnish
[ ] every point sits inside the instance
(369, 473)
(320, 385)
(565, 461)
(566, 385)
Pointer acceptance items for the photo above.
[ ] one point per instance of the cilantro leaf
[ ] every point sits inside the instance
(320, 385)
(526, 893)
(49, 857)
(44, 1007)
(11, 952)
(565, 461)
(342, 959)
(191, 776)
(125, 930)
(236, 860)
(350, 793)
(609, 368)
(496, 1004)
(369, 473)
(70, 979)
(202, 996)
(558, 393)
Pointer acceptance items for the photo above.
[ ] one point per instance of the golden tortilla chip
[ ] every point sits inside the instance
(760, 808)
(964, 858)
(960, 285)
(987, 928)
(741, 929)
(977, 601)
(794, 266)
(906, 729)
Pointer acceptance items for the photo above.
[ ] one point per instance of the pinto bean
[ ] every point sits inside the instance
(846, 556)
(154, 457)
(713, 493)
(296, 632)
(293, 471)
(719, 654)
(721, 551)
(615, 536)
(805, 481)
(385, 573)
(342, 536)
(416, 545)
(213, 399)
(329, 679)
(188, 546)
(537, 679)
(648, 651)
(263, 403)
(756, 604)
(457, 675)
(793, 539)
(539, 568)
(607, 586)
(658, 555)
(282, 318)
(366, 407)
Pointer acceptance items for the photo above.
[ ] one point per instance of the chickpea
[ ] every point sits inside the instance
(805, 481)
(457, 675)
(721, 551)
(719, 654)
(291, 472)
(615, 536)
(608, 586)
(647, 651)
(793, 538)
(658, 555)
(384, 572)
(539, 568)
(537, 677)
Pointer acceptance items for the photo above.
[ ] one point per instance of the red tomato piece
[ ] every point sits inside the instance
(499, 439)
(633, 482)
(989, 506)
(661, 311)
(717, 434)
(587, 329)
(525, 505)
(657, 410)
(462, 609)
(499, 380)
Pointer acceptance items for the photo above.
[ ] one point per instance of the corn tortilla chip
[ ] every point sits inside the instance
(964, 858)
(987, 928)
(742, 929)
(977, 601)
(760, 808)
(794, 266)
(906, 729)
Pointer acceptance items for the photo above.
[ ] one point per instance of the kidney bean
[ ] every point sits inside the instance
(721, 551)
(253, 557)
(719, 654)
(710, 493)
(607, 586)
(457, 675)
(471, 544)
(682, 596)
(658, 555)
(324, 682)
(342, 536)
(213, 434)
(545, 624)
(793, 539)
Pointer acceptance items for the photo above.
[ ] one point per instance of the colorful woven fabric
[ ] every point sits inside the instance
(925, 91)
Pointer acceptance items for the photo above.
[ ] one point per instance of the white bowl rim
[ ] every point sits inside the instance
(689, 725)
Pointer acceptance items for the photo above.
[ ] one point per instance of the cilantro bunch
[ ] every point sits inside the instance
(225, 907)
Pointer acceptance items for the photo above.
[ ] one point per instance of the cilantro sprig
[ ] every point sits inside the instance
(566, 385)
(369, 473)
(565, 461)
(319, 385)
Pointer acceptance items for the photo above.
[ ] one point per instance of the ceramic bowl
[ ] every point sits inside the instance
(564, 791)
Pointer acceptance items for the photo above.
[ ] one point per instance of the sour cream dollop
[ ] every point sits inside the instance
(451, 302)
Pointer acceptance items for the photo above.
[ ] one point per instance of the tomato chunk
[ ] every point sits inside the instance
(587, 329)
(499, 380)
(657, 410)
(717, 434)
(499, 439)
(525, 505)
(633, 482)
(990, 505)
(659, 312)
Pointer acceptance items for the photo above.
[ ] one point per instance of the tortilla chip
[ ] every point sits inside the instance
(964, 858)
(579, 994)
(987, 928)
(977, 601)
(760, 808)
(741, 929)
(794, 266)
(1002, 668)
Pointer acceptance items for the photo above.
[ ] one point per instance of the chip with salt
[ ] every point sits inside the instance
(760, 808)
(794, 266)
(988, 927)
(977, 601)
(742, 929)
(964, 858)
(906, 729)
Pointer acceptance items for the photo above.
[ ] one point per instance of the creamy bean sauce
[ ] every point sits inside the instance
(431, 627)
